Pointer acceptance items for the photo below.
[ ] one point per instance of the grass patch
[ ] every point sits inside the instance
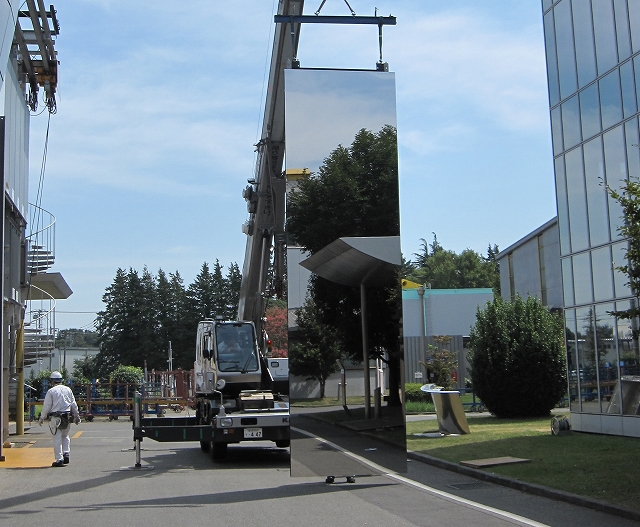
(326, 401)
(419, 407)
(596, 466)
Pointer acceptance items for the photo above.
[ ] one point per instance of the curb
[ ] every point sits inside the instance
(530, 488)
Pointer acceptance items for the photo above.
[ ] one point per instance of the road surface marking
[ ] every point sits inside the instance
(445, 495)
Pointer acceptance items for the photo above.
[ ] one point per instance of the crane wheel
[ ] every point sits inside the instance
(218, 451)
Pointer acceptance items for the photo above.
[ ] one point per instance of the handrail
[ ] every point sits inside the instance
(53, 221)
(45, 314)
(41, 250)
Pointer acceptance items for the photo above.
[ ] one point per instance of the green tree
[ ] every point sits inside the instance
(444, 269)
(85, 369)
(127, 375)
(441, 363)
(113, 324)
(76, 338)
(201, 296)
(517, 358)
(152, 350)
(219, 290)
(316, 350)
(232, 291)
(182, 329)
(144, 313)
(354, 193)
(129, 323)
(628, 197)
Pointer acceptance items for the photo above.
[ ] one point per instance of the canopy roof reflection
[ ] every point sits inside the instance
(354, 261)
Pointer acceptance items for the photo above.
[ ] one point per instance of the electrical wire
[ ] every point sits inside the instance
(92, 324)
(36, 217)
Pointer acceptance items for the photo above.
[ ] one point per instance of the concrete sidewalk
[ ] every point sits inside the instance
(33, 449)
(100, 487)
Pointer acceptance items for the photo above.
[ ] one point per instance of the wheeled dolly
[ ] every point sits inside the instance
(332, 479)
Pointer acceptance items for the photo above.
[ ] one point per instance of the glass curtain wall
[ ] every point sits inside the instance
(593, 65)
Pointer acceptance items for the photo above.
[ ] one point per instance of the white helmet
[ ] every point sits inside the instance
(55, 376)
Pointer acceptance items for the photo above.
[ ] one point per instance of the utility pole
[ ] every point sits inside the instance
(170, 376)
(422, 323)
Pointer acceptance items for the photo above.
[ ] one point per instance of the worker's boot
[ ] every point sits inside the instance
(57, 464)
(65, 458)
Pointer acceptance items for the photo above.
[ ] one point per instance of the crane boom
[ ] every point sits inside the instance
(265, 194)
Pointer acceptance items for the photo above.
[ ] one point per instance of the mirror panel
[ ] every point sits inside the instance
(343, 287)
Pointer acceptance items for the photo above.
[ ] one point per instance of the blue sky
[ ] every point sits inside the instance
(159, 106)
(325, 108)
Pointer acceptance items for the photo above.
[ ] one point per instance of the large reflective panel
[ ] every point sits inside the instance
(343, 257)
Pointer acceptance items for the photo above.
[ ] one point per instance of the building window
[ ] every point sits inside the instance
(590, 111)
(582, 286)
(577, 195)
(585, 50)
(605, 36)
(602, 274)
(565, 49)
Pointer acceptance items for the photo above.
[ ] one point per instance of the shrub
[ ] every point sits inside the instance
(517, 358)
(413, 393)
(440, 363)
(127, 375)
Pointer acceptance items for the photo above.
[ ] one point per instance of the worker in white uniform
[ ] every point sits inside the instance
(59, 408)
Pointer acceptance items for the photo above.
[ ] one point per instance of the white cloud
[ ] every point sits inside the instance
(445, 138)
(462, 59)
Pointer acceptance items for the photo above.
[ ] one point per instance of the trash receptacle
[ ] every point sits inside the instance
(451, 416)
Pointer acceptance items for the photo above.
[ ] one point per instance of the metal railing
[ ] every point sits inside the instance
(42, 240)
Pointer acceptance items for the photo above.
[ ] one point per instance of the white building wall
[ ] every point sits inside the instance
(8, 10)
(447, 311)
(16, 160)
(553, 273)
(526, 269)
(526, 259)
(60, 358)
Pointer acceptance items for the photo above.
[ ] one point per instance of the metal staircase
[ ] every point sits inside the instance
(39, 259)
(39, 334)
(39, 319)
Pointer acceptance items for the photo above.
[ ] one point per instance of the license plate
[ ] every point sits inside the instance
(252, 433)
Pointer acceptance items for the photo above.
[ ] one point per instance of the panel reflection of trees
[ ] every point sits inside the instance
(341, 146)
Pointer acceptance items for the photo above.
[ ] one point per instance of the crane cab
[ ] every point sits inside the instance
(227, 350)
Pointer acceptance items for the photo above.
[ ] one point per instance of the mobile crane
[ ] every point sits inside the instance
(234, 390)
(230, 372)
(233, 387)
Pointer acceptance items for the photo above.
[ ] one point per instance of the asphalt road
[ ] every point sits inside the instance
(252, 487)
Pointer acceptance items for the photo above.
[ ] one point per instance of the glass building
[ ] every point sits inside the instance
(593, 65)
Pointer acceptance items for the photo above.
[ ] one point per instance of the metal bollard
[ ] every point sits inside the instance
(137, 409)
(137, 433)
